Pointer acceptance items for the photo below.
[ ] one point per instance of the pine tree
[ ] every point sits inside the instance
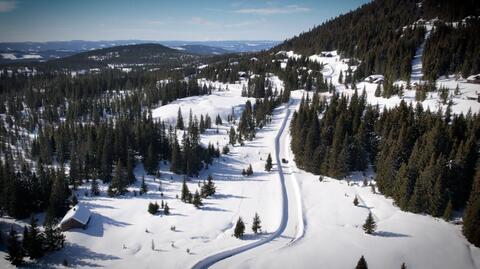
(153, 208)
(94, 189)
(208, 188)
(355, 201)
(447, 214)
(180, 124)
(143, 186)
(197, 200)
(33, 243)
(249, 170)
(119, 183)
(256, 225)
(54, 238)
(166, 209)
(239, 228)
(14, 249)
(471, 218)
(232, 136)
(185, 195)
(362, 263)
(268, 165)
(403, 266)
(369, 226)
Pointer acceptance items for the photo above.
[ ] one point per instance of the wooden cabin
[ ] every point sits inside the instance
(77, 217)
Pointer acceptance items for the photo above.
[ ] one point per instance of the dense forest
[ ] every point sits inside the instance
(425, 160)
(376, 34)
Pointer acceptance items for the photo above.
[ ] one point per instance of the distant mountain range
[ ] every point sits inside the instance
(43, 51)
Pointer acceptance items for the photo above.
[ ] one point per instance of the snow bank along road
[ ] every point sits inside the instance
(291, 225)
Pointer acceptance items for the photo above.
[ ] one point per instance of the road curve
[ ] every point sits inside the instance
(298, 227)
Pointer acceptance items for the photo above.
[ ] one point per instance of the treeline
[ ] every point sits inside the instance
(424, 160)
(374, 34)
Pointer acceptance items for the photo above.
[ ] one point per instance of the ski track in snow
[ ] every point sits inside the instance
(299, 225)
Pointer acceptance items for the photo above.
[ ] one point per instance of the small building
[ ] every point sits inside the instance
(77, 217)
(377, 79)
(474, 79)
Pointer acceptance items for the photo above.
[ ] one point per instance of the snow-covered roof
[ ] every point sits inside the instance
(78, 213)
(474, 77)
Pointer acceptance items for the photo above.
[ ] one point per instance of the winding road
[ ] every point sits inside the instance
(291, 226)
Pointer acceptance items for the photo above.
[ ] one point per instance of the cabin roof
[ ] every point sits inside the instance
(79, 213)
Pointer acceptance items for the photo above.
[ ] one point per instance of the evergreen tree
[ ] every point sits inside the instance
(185, 195)
(471, 218)
(232, 136)
(119, 184)
(180, 124)
(208, 188)
(256, 225)
(34, 240)
(197, 200)
(143, 186)
(355, 201)
(153, 208)
(54, 238)
(369, 226)
(268, 165)
(166, 209)
(239, 228)
(14, 249)
(362, 263)
(249, 170)
(94, 189)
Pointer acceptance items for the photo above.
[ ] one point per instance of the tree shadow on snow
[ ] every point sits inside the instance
(390, 234)
(76, 256)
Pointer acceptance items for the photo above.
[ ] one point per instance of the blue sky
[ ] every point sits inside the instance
(200, 20)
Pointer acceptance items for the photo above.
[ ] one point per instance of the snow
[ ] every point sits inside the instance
(31, 56)
(9, 56)
(79, 213)
(219, 102)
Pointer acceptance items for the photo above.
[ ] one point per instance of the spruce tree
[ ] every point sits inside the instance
(355, 201)
(239, 228)
(185, 195)
(471, 217)
(180, 124)
(54, 238)
(232, 136)
(166, 209)
(369, 226)
(249, 170)
(94, 189)
(14, 248)
(197, 200)
(33, 243)
(362, 263)
(256, 225)
(143, 186)
(268, 165)
(119, 184)
(208, 188)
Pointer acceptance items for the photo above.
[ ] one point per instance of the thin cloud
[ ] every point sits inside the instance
(201, 21)
(273, 10)
(7, 6)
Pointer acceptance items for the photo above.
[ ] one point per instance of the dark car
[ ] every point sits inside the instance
(284, 160)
